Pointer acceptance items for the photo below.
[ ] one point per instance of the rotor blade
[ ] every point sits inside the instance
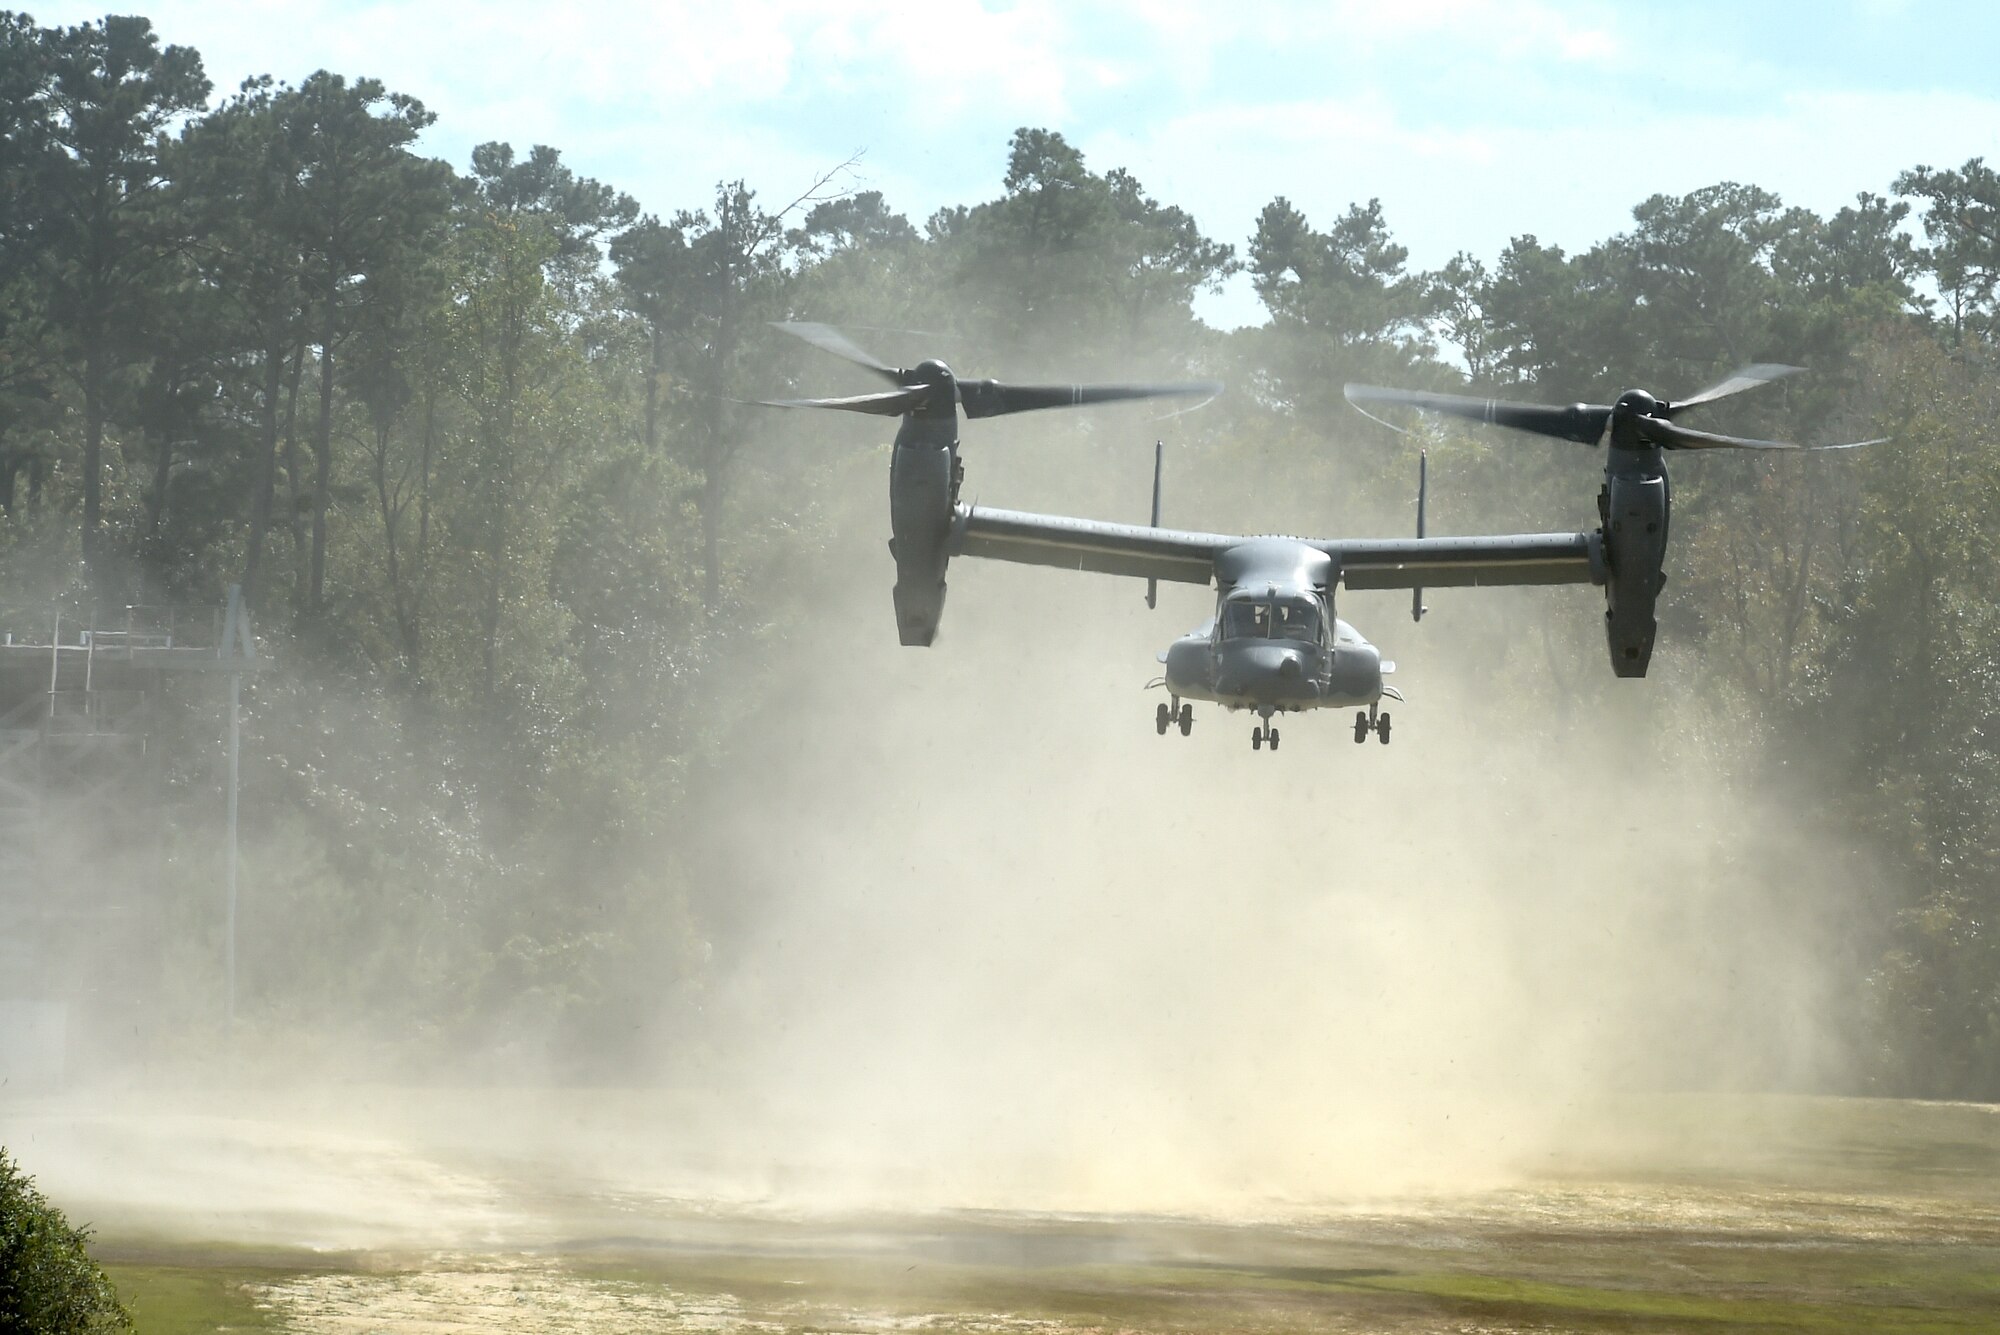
(1670, 437)
(1582, 423)
(1379, 421)
(828, 339)
(990, 398)
(1748, 378)
(890, 403)
(931, 334)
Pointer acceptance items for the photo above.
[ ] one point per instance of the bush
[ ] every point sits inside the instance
(48, 1283)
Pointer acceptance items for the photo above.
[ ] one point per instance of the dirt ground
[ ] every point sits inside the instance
(419, 1214)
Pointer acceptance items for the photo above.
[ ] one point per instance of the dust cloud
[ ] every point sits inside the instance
(1005, 946)
(978, 938)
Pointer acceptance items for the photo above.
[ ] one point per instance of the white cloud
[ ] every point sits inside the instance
(1571, 184)
(1511, 29)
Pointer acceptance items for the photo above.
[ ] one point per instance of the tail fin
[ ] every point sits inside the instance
(1417, 608)
(1159, 453)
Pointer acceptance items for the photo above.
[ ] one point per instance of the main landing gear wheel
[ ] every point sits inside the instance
(1186, 718)
(1162, 718)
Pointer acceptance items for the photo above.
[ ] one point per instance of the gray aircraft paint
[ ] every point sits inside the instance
(1275, 674)
(1266, 674)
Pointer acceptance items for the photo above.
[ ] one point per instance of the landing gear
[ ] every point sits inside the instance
(1186, 718)
(1365, 723)
(1179, 714)
(1261, 734)
(1161, 718)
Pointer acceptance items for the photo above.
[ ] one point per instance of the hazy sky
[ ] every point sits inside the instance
(1472, 120)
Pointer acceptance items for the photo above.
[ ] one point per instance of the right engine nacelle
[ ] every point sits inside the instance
(1635, 511)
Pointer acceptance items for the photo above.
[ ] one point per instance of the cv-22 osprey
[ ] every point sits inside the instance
(1275, 645)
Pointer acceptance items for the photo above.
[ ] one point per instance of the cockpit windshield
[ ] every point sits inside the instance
(1284, 619)
(1246, 621)
(1296, 621)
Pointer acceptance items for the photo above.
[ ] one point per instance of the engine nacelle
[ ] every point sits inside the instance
(1635, 508)
(923, 487)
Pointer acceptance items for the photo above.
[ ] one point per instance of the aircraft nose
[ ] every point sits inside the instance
(1272, 668)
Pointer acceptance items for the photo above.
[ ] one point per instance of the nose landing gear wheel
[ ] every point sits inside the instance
(1382, 729)
(1273, 735)
(1361, 728)
(1257, 738)
(1161, 718)
(1187, 719)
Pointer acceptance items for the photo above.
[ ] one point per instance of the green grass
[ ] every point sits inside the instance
(167, 1299)
(1637, 1284)
(1574, 1307)
(1586, 1284)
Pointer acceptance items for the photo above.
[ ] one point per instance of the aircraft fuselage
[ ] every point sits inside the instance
(1275, 675)
(1274, 644)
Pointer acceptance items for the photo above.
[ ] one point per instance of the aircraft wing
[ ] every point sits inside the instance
(1088, 544)
(1442, 563)
(1189, 557)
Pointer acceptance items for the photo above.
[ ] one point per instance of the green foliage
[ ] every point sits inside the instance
(1962, 221)
(1348, 284)
(48, 1283)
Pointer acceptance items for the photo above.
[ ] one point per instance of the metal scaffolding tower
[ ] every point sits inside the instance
(83, 816)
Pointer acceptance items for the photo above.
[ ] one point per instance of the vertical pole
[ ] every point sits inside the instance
(229, 955)
(237, 647)
(55, 661)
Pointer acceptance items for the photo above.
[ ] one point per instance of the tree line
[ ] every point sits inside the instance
(471, 440)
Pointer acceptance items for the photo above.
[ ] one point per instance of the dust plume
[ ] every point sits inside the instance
(1001, 945)
(978, 938)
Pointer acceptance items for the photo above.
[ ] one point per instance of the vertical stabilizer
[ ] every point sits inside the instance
(1159, 453)
(1417, 608)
